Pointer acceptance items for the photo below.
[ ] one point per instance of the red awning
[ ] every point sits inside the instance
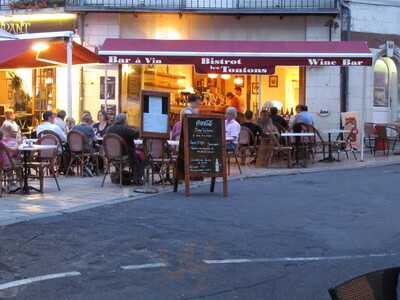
(252, 57)
(19, 54)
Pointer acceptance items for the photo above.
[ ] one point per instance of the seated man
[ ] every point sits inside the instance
(254, 128)
(128, 134)
(302, 116)
(48, 125)
(85, 128)
(278, 120)
(232, 129)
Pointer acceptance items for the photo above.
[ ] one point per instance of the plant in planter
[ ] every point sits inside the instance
(21, 99)
(28, 4)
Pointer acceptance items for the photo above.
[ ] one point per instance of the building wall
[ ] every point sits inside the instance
(373, 17)
(376, 16)
(319, 82)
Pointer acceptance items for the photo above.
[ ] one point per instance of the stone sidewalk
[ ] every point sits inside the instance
(84, 193)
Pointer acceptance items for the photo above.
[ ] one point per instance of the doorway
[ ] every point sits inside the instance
(386, 106)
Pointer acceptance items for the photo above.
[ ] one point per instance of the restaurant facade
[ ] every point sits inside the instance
(285, 84)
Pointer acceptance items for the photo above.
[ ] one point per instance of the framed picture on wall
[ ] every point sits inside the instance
(255, 87)
(110, 87)
(273, 81)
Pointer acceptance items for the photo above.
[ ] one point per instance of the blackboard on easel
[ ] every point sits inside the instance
(204, 150)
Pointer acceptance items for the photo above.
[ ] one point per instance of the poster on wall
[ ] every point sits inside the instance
(110, 87)
(351, 120)
(155, 114)
(134, 83)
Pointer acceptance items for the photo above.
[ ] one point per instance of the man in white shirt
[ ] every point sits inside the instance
(232, 128)
(48, 125)
(59, 120)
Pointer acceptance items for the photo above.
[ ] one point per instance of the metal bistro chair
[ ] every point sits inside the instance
(346, 144)
(157, 154)
(115, 150)
(370, 136)
(46, 160)
(378, 285)
(80, 155)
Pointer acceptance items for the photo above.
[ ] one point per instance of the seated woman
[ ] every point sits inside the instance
(100, 128)
(266, 123)
(176, 130)
(5, 155)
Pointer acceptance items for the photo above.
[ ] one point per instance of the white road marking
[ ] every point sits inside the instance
(294, 259)
(144, 266)
(30, 280)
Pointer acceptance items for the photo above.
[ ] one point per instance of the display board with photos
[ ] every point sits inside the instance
(155, 114)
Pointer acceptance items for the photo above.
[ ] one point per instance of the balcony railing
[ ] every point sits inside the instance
(209, 6)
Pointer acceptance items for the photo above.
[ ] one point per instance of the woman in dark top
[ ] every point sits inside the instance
(101, 127)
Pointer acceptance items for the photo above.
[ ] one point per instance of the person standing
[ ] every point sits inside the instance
(194, 103)
(234, 101)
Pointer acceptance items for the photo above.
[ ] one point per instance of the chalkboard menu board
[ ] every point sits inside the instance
(204, 148)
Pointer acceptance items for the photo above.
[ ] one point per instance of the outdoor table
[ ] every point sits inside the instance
(138, 142)
(330, 157)
(298, 134)
(27, 149)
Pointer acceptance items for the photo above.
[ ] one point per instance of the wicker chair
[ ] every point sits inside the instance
(115, 150)
(9, 174)
(80, 154)
(46, 160)
(378, 285)
(247, 146)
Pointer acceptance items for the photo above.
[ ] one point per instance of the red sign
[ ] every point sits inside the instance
(238, 65)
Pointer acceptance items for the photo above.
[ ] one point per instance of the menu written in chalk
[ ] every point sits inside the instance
(205, 141)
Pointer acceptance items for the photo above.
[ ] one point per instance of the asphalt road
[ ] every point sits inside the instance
(302, 234)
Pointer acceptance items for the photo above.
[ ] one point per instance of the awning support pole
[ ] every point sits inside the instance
(363, 112)
(106, 88)
(69, 77)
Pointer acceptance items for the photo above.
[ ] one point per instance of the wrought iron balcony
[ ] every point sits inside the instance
(208, 6)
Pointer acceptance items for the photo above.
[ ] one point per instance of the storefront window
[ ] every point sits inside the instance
(251, 92)
(381, 84)
(45, 91)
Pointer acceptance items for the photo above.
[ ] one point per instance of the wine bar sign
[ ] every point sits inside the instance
(204, 149)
